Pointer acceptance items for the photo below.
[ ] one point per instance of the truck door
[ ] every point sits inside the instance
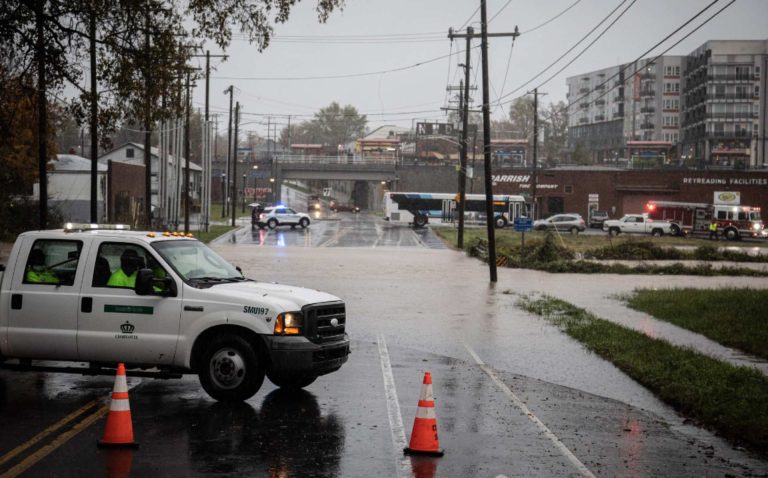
(116, 324)
(44, 292)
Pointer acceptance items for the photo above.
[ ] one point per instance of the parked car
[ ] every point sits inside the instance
(597, 217)
(341, 207)
(282, 216)
(573, 223)
(638, 224)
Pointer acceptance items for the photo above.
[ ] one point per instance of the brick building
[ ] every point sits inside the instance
(620, 191)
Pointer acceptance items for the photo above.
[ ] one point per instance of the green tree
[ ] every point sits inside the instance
(521, 118)
(331, 126)
(580, 155)
(555, 118)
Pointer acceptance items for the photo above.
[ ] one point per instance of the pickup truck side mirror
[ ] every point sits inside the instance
(148, 284)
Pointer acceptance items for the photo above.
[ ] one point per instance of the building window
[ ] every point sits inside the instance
(129, 152)
(568, 189)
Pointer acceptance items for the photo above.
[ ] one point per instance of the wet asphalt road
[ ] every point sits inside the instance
(514, 396)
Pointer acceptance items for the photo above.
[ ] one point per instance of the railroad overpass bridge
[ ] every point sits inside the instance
(361, 170)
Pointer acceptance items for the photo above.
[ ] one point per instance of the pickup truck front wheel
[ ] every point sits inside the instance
(230, 370)
(291, 382)
(614, 231)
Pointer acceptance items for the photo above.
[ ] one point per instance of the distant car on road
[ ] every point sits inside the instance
(314, 203)
(572, 223)
(339, 207)
(596, 218)
(282, 216)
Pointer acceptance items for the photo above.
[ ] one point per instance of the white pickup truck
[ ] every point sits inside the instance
(167, 306)
(637, 224)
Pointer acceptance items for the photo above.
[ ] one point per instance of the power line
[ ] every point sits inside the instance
(552, 19)
(605, 19)
(499, 11)
(334, 77)
(663, 52)
(623, 69)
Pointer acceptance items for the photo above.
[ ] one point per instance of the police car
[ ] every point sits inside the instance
(178, 308)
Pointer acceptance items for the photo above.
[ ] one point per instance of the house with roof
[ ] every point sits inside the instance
(69, 188)
(133, 153)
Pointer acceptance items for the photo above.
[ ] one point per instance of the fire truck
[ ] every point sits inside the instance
(733, 221)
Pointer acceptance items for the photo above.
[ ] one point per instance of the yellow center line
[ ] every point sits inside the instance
(56, 443)
(35, 439)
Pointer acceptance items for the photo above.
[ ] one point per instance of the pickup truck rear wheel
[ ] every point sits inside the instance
(230, 370)
(674, 229)
(657, 232)
(291, 382)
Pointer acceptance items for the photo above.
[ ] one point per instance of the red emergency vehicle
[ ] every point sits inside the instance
(733, 221)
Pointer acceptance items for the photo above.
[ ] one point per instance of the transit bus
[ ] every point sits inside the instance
(419, 208)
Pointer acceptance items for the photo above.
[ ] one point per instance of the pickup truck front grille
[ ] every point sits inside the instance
(325, 322)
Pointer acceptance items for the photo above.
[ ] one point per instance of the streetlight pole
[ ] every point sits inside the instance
(229, 148)
(244, 176)
(223, 195)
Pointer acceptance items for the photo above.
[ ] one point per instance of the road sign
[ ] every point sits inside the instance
(435, 128)
(523, 224)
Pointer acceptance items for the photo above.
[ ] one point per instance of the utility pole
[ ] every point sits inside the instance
(234, 166)
(229, 150)
(487, 131)
(464, 132)
(186, 158)
(534, 200)
(147, 131)
(42, 114)
(94, 120)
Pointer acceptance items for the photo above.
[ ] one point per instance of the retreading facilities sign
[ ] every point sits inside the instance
(727, 181)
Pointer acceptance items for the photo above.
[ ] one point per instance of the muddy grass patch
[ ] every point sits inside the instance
(732, 317)
(733, 401)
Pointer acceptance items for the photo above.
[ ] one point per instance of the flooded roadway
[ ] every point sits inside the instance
(514, 396)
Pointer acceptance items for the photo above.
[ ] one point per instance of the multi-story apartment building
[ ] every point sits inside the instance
(724, 124)
(705, 109)
(630, 102)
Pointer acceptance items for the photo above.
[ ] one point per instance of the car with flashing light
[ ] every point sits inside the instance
(570, 222)
(280, 215)
(186, 310)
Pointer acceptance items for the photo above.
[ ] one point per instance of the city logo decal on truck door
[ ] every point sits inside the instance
(129, 309)
(126, 330)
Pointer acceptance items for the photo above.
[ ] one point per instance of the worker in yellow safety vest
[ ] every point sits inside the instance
(713, 230)
(37, 272)
(125, 275)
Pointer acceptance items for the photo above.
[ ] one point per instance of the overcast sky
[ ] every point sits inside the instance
(392, 59)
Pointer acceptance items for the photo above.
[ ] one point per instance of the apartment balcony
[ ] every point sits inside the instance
(648, 109)
(729, 134)
(583, 121)
(647, 125)
(618, 98)
(733, 78)
(600, 102)
(734, 116)
(584, 90)
(599, 117)
(584, 105)
(730, 96)
(647, 93)
(618, 115)
(600, 87)
(647, 76)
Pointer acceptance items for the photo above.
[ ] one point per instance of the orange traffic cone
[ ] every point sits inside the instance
(424, 435)
(119, 429)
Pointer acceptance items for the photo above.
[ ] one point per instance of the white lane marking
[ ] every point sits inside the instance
(523, 408)
(393, 410)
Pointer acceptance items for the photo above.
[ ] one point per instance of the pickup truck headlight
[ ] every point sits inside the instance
(289, 323)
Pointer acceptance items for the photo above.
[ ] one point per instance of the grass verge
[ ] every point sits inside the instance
(735, 318)
(733, 401)
(214, 231)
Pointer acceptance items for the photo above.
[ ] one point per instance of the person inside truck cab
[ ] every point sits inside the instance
(37, 272)
(125, 275)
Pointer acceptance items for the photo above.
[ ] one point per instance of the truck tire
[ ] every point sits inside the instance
(229, 369)
(614, 231)
(291, 382)
(731, 234)
(657, 232)
(304, 222)
(500, 222)
(420, 220)
(272, 223)
(674, 229)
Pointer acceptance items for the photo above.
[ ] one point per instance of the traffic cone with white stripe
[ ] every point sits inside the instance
(424, 439)
(119, 429)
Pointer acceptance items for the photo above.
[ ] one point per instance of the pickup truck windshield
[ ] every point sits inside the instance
(195, 262)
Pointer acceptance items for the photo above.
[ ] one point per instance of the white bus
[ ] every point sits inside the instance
(420, 208)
